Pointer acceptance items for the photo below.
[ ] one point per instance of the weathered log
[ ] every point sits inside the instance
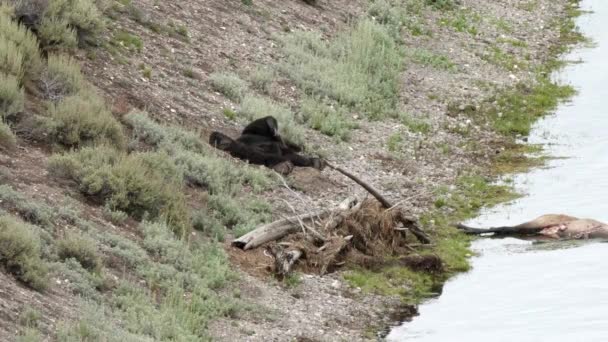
(278, 229)
(411, 225)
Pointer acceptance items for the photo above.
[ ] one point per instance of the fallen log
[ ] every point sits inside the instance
(410, 224)
(283, 227)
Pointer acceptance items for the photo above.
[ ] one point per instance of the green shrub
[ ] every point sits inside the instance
(80, 280)
(64, 73)
(261, 79)
(11, 59)
(31, 211)
(29, 317)
(254, 107)
(115, 216)
(241, 215)
(7, 9)
(139, 183)
(25, 41)
(57, 33)
(20, 252)
(207, 224)
(82, 16)
(80, 248)
(7, 138)
(358, 69)
(229, 84)
(84, 119)
(12, 97)
(327, 119)
(434, 60)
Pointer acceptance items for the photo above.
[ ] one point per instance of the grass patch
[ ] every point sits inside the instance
(128, 41)
(20, 252)
(434, 60)
(462, 21)
(515, 110)
(327, 119)
(12, 96)
(29, 210)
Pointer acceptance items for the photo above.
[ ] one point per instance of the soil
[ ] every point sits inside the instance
(228, 35)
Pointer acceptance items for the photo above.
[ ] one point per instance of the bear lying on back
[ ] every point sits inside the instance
(260, 143)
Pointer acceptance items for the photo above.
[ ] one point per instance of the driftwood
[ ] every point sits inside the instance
(410, 224)
(278, 229)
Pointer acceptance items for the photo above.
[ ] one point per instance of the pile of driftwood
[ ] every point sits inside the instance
(358, 231)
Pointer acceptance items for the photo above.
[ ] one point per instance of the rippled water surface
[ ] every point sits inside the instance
(557, 291)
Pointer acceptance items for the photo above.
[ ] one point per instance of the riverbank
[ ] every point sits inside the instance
(477, 80)
(128, 208)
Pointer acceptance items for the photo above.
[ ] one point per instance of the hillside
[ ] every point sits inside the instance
(116, 215)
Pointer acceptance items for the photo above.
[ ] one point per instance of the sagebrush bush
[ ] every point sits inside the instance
(64, 76)
(20, 252)
(358, 69)
(7, 138)
(84, 119)
(12, 97)
(81, 16)
(11, 59)
(83, 249)
(25, 41)
(330, 120)
(57, 33)
(30, 210)
(229, 84)
(261, 79)
(254, 107)
(141, 184)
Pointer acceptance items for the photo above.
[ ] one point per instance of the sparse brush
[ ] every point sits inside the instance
(30, 210)
(229, 84)
(20, 252)
(12, 97)
(261, 79)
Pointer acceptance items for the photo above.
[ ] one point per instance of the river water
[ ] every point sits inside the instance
(555, 291)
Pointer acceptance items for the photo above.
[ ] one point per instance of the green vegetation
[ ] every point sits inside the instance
(139, 183)
(358, 69)
(518, 108)
(64, 75)
(254, 107)
(84, 119)
(30, 211)
(128, 41)
(261, 79)
(7, 138)
(431, 59)
(19, 53)
(83, 249)
(462, 21)
(20, 252)
(328, 119)
(229, 84)
(12, 97)
(415, 125)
